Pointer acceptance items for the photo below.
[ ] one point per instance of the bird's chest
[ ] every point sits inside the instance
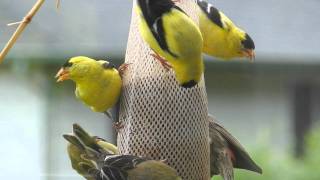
(89, 92)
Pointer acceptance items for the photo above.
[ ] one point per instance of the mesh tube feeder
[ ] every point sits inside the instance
(160, 119)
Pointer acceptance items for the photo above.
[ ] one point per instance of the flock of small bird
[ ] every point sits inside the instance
(177, 43)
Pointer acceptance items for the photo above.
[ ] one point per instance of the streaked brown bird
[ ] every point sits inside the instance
(227, 153)
(105, 165)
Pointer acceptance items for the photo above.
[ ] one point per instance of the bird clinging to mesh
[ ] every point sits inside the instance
(98, 83)
(227, 153)
(174, 37)
(221, 37)
(105, 165)
(77, 153)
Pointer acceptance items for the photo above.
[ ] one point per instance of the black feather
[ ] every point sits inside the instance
(67, 64)
(248, 42)
(189, 84)
(211, 12)
(152, 11)
(116, 166)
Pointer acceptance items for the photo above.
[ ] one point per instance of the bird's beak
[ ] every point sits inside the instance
(62, 75)
(249, 53)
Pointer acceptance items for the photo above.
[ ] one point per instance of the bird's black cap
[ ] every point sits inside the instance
(67, 64)
(248, 42)
(189, 84)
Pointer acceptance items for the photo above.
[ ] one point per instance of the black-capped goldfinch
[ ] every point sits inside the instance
(98, 83)
(221, 37)
(108, 166)
(227, 153)
(76, 155)
(172, 35)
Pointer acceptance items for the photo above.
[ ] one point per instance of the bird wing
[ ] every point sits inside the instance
(86, 139)
(242, 158)
(212, 13)
(116, 166)
(153, 13)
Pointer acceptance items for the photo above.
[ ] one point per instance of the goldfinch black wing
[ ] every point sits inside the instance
(116, 166)
(152, 11)
(242, 158)
(212, 13)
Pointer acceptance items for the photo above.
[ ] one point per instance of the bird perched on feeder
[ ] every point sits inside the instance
(76, 155)
(174, 37)
(221, 37)
(98, 83)
(107, 166)
(227, 153)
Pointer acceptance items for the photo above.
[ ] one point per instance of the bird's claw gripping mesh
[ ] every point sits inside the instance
(160, 119)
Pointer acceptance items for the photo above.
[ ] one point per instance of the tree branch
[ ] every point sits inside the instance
(22, 25)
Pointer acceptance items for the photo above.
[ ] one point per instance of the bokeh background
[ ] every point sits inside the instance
(271, 106)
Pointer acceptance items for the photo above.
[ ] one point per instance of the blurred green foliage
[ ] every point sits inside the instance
(284, 166)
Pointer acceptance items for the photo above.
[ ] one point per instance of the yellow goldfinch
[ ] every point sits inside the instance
(76, 154)
(221, 37)
(108, 166)
(227, 153)
(173, 36)
(98, 83)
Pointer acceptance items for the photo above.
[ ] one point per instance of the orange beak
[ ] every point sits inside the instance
(249, 53)
(62, 75)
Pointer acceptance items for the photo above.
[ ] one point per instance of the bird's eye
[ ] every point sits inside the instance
(67, 64)
(108, 65)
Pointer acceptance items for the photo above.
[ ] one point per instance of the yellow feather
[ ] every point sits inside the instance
(224, 43)
(97, 87)
(184, 39)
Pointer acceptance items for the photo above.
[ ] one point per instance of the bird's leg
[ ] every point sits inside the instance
(163, 62)
(123, 67)
(118, 125)
(108, 114)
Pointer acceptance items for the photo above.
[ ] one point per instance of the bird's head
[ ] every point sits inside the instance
(80, 68)
(247, 47)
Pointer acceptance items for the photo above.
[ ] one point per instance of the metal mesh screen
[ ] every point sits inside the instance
(162, 120)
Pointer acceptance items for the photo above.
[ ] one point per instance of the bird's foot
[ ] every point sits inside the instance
(117, 126)
(123, 67)
(163, 62)
(108, 114)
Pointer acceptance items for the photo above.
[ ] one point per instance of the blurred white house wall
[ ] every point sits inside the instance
(22, 114)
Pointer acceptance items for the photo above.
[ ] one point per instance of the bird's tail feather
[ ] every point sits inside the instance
(93, 151)
(227, 174)
(86, 139)
(75, 141)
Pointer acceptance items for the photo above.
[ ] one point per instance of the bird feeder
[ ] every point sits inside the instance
(160, 119)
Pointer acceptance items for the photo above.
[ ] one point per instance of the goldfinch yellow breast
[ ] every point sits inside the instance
(98, 83)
